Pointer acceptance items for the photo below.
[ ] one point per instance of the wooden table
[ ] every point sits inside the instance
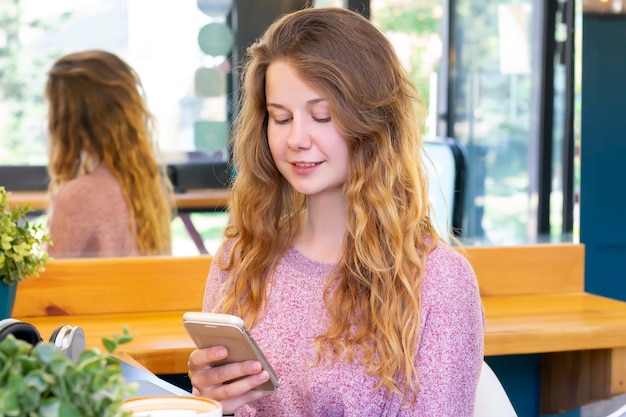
(186, 203)
(191, 200)
(552, 323)
(570, 339)
(38, 200)
(514, 325)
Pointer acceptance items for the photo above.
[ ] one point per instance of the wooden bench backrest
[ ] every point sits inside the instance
(149, 284)
(532, 269)
(114, 285)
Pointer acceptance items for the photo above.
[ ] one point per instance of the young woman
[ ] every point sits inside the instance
(109, 195)
(331, 257)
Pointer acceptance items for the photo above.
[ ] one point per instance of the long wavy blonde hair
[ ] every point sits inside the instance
(98, 115)
(374, 297)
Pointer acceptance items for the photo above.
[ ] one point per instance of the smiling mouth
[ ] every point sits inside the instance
(305, 165)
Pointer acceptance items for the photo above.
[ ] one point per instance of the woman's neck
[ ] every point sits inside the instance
(322, 229)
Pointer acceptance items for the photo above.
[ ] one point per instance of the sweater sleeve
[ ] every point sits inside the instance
(452, 341)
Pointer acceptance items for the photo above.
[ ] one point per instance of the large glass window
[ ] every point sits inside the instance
(479, 65)
(185, 85)
(415, 30)
(179, 50)
(508, 107)
(493, 97)
(494, 79)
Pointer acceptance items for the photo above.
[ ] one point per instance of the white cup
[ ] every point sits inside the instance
(172, 406)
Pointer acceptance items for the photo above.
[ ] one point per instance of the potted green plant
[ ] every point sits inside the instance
(41, 381)
(21, 251)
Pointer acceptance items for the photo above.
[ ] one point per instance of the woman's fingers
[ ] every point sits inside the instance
(232, 384)
(229, 380)
(230, 405)
(201, 358)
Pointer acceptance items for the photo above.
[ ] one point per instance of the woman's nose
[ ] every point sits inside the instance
(299, 137)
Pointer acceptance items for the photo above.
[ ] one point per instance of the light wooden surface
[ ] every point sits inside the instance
(38, 200)
(203, 199)
(514, 325)
(102, 286)
(552, 323)
(198, 200)
(147, 294)
(530, 269)
(581, 336)
(160, 342)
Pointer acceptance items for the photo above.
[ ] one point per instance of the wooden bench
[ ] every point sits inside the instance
(535, 302)
(533, 297)
(147, 294)
(70, 287)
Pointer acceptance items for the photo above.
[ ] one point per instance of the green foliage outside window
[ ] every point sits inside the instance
(419, 26)
(22, 76)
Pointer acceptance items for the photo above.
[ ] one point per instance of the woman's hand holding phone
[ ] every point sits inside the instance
(216, 382)
(228, 366)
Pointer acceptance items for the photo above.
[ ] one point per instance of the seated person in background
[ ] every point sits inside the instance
(109, 195)
(331, 256)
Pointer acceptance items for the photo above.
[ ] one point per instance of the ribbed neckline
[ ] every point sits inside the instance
(298, 261)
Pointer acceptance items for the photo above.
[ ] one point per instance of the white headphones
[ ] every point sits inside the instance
(70, 339)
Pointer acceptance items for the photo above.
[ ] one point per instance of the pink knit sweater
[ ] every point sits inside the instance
(89, 218)
(449, 355)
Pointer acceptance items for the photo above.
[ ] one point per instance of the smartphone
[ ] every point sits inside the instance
(216, 329)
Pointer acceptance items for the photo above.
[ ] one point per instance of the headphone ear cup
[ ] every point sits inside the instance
(19, 329)
(55, 334)
(70, 339)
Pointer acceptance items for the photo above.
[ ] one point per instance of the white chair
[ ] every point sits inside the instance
(491, 399)
(446, 170)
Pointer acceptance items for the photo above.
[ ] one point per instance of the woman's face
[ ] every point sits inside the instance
(305, 144)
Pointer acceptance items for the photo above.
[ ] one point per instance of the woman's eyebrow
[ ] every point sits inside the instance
(309, 102)
(315, 101)
(279, 106)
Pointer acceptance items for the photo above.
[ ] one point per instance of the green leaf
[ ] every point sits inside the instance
(36, 381)
(109, 344)
(47, 352)
(21, 243)
(50, 407)
(43, 382)
(9, 404)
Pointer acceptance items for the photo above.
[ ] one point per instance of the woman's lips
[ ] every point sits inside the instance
(305, 167)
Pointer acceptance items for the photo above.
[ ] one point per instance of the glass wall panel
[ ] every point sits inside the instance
(493, 77)
(415, 30)
(502, 101)
(184, 77)
(179, 49)
(495, 82)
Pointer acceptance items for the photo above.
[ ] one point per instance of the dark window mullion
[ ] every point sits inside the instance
(568, 135)
(546, 116)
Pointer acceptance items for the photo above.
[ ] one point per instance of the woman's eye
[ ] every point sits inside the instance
(321, 119)
(282, 120)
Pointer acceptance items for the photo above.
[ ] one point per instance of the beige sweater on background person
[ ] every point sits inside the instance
(90, 218)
